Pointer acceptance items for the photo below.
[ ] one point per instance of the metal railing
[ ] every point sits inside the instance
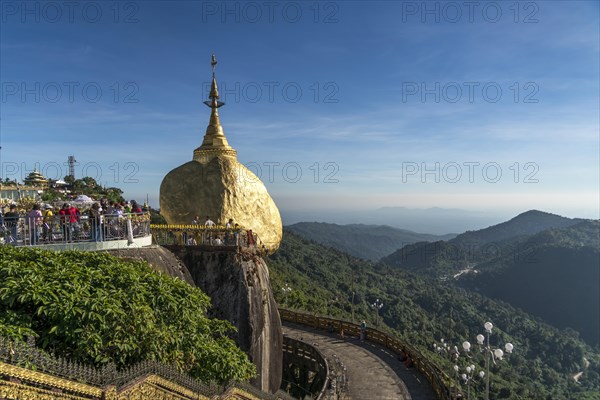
(436, 377)
(296, 348)
(32, 231)
(200, 235)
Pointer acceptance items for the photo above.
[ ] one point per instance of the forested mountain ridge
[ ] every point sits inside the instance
(448, 257)
(585, 233)
(370, 242)
(553, 274)
(525, 224)
(423, 310)
(559, 284)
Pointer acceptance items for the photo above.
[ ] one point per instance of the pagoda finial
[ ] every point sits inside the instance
(214, 142)
(214, 91)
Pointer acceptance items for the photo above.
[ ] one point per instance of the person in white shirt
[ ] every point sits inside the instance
(209, 222)
(34, 223)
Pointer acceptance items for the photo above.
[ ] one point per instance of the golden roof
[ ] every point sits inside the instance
(35, 177)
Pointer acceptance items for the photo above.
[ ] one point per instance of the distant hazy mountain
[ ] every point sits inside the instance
(370, 242)
(437, 221)
(475, 246)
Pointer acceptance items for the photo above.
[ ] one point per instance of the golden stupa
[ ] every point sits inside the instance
(215, 184)
(36, 179)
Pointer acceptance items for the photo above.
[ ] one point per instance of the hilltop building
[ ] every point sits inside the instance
(33, 186)
(36, 179)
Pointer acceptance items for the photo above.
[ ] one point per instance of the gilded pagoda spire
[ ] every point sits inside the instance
(214, 143)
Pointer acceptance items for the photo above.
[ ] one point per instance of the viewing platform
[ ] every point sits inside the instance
(209, 237)
(112, 231)
(120, 231)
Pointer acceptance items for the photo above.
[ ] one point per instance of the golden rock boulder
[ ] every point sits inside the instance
(215, 184)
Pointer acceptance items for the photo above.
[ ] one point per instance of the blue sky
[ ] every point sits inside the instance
(352, 105)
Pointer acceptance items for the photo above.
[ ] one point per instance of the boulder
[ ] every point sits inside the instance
(238, 284)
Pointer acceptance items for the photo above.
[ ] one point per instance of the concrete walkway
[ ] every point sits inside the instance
(372, 372)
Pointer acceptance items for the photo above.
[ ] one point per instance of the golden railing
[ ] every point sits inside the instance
(436, 377)
(200, 235)
(27, 372)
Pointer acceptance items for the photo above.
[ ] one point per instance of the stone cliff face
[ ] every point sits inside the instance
(159, 258)
(238, 284)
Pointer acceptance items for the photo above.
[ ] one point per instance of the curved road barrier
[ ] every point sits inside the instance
(433, 374)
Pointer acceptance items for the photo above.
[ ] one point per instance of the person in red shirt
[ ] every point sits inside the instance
(69, 216)
(135, 207)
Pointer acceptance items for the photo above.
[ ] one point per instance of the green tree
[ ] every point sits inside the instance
(96, 309)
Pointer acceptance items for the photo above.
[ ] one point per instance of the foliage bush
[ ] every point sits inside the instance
(96, 308)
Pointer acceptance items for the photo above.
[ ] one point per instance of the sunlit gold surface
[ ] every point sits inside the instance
(155, 387)
(39, 378)
(221, 188)
(214, 143)
(25, 384)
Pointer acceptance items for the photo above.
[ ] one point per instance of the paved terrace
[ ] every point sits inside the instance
(372, 371)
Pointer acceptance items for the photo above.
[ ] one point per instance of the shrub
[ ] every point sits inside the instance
(96, 308)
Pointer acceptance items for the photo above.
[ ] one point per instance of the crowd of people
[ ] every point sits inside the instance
(67, 223)
(213, 237)
(104, 220)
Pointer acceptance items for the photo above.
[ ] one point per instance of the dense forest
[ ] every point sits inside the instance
(553, 274)
(548, 363)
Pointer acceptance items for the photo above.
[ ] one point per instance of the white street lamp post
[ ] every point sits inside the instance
(286, 290)
(468, 376)
(352, 306)
(484, 343)
(489, 352)
(377, 306)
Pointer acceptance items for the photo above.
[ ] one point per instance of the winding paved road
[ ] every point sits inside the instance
(372, 372)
